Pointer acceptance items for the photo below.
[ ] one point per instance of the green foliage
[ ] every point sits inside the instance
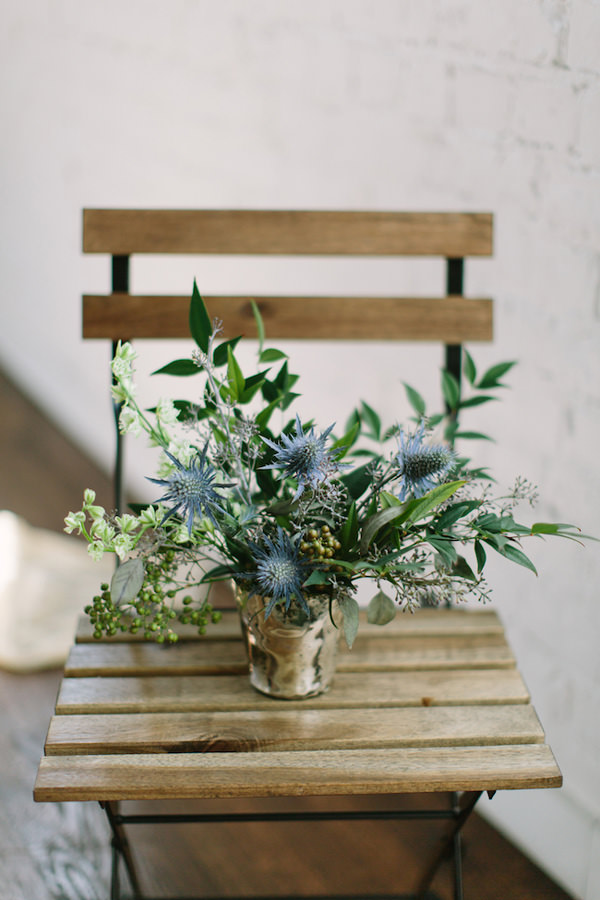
(341, 507)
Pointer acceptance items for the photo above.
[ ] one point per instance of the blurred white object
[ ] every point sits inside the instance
(46, 579)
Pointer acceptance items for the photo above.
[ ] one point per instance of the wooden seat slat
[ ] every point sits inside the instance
(233, 692)
(295, 773)
(294, 729)
(435, 622)
(369, 653)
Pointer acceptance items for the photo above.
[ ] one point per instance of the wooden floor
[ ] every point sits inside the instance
(61, 852)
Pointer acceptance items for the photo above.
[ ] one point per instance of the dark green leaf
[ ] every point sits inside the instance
(376, 522)
(272, 355)
(349, 530)
(480, 556)
(478, 400)
(469, 367)
(462, 569)
(445, 548)
(517, 556)
(357, 481)
(455, 512)
(490, 379)
(221, 354)
(200, 324)
(179, 367)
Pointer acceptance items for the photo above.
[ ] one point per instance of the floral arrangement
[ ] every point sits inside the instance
(295, 512)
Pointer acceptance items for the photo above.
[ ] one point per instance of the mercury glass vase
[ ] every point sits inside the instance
(291, 655)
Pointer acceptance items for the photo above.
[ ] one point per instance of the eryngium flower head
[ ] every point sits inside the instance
(279, 572)
(421, 466)
(191, 489)
(303, 456)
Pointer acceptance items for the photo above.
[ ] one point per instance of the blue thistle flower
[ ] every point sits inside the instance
(279, 571)
(191, 489)
(421, 465)
(303, 456)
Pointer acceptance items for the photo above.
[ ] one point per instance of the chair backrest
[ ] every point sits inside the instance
(451, 319)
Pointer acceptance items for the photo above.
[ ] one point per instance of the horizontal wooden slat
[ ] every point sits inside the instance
(369, 653)
(291, 773)
(286, 232)
(435, 622)
(295, 728)
(452, 320)
(233, 692)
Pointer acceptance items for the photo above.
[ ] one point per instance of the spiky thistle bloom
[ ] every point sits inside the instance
(303, 456)
(421, 466)
(191, 489)
(280, 571)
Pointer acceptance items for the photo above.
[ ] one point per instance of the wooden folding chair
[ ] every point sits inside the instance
(451, 319)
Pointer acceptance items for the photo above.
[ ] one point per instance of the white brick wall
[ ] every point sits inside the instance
(384, 104)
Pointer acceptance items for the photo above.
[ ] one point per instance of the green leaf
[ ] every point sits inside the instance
(415, 399)
(316, 577)
(476, 401)
(344, 443)
(473, 436)
(235, 377)
(264, 415)
(455, 512)
(376, 522)
(445, 548)
(200, 324)
(450, 389)
(220, 356)
(462, 569)
(349, 609)
(433, 498)
(469, 367)
(272, 355)
(381, 609)
(179, 367)
(490, 379)
(480, 556)
(127, 581)
(357, 481)
(372, 420)
(260, 328)
(517, 556)
(349, 530)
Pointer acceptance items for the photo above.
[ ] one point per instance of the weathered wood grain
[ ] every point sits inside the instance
(127, 231)
(369, 653)
(292, 773)
(451, 320)
(350, 690)
(294, 729)
(427, 621)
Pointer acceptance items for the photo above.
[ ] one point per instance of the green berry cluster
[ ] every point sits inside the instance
(319, 544)
(152, 610)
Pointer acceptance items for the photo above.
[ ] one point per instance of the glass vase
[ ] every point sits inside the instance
(291, 655)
